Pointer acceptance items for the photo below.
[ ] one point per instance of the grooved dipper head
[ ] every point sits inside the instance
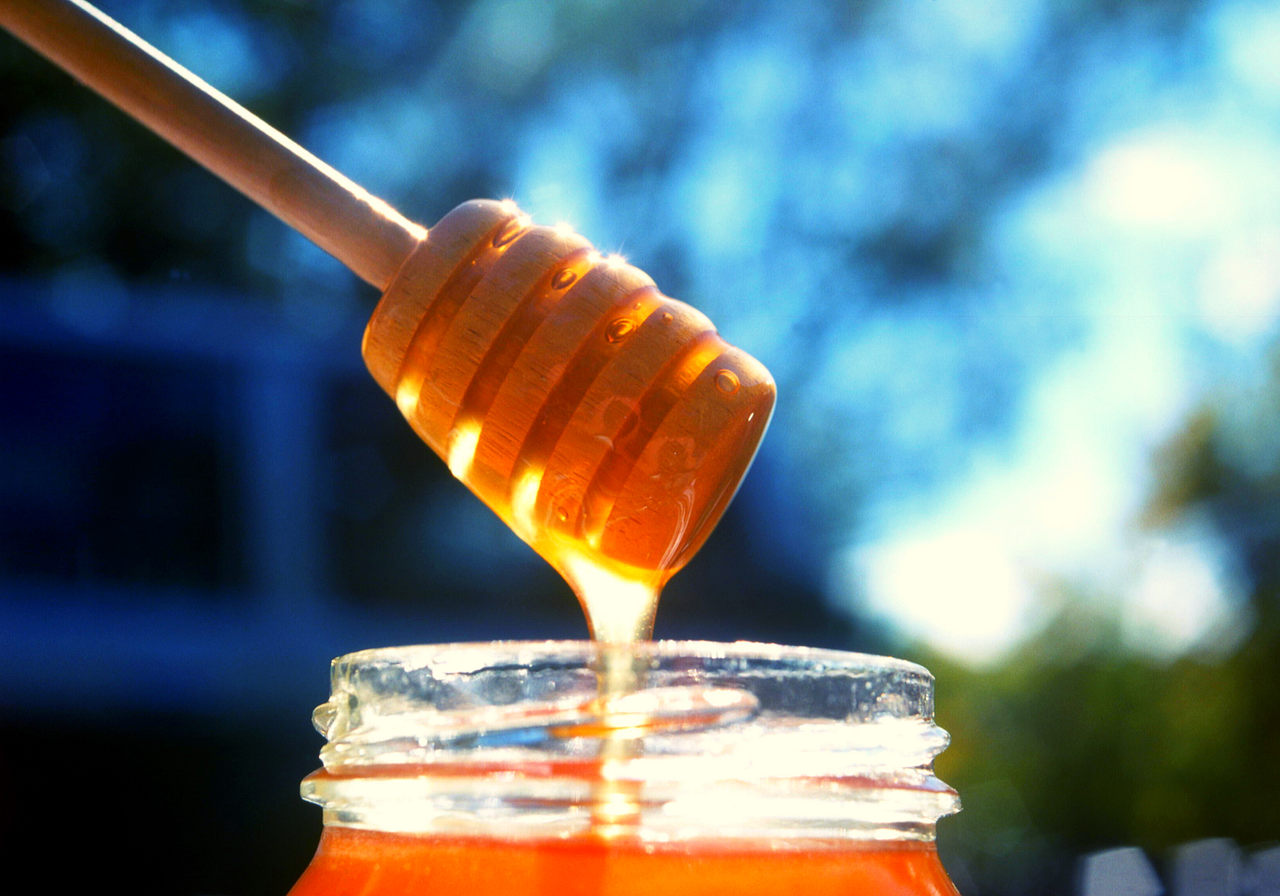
(596, 416)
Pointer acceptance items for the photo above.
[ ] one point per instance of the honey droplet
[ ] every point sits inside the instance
(508, 233)
(727, 382)
(563, 279)
(562, 515)
(620, 329)
(637, 305)
(667, 317)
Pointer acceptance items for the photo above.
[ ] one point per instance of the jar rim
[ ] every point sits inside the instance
(821, 739)
(454, 652)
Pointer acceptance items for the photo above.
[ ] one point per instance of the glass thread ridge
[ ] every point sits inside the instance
(737, 740)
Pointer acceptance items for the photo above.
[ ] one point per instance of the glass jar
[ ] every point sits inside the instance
(662, 768)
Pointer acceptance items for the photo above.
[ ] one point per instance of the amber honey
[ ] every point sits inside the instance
(374, 863)
(607, 424)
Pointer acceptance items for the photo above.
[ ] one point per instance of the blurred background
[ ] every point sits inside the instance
(1015, 265)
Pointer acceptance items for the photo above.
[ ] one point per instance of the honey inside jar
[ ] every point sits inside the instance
(380, 864)
(607, 424)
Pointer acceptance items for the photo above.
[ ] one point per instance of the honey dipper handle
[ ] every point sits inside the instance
(361, 231)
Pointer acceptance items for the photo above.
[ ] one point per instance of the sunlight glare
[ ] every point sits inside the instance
(959, 589)
(1160, 182)
(1239, 296)
(462, 449)
(523, 499)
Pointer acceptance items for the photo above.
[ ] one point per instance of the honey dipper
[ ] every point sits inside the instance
(607, 424)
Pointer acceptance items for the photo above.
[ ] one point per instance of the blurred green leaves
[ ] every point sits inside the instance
(1078, 742)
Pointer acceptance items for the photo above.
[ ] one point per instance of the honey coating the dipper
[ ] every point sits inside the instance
(607, 424)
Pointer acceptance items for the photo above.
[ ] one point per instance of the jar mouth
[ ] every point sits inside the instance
(534, 736)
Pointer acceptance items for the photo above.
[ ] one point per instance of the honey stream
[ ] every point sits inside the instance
(606, 424)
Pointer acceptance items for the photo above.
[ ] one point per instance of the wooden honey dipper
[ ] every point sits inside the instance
(607, 424)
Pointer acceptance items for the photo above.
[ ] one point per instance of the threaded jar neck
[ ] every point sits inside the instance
(699, 740)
